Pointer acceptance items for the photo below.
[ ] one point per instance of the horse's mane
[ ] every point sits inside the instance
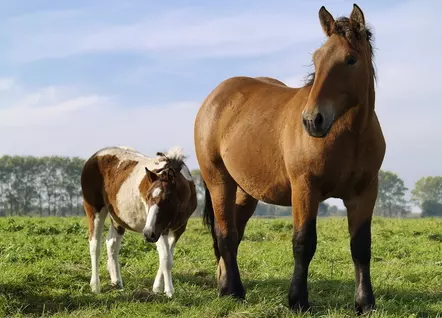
(352, 32)
(174, 158)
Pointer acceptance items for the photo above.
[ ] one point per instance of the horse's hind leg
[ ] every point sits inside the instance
(113, 244)
(96, 225)
(223, 193)
(245, 206)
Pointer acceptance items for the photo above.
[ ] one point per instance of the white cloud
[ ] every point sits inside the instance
(6, 83)
(180, 34)
(63, 121)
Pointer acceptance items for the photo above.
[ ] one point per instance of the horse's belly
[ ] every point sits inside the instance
(267, 184)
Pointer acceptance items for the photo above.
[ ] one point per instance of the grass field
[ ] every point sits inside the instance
(45, 271)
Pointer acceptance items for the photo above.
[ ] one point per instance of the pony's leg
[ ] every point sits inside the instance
(360, 211)
(165, 267)
(223, 202)
(304, 210)
(113, 244)
(96, 225)
(245, 206)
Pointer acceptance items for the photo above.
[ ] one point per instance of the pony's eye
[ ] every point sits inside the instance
(351, 60)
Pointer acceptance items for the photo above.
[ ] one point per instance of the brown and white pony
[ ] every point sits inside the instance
(153, 196)
(257, 139)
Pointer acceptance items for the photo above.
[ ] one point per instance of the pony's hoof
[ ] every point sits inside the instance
(157, 290)
(118, 285)
(169, 294)
(95, 288)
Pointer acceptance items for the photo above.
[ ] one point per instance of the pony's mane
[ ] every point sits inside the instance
(352, 32)
(174, 158)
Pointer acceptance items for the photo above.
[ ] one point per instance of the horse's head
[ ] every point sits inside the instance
(343, 71)
(163, 201)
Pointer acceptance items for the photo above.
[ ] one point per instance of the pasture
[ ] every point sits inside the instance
(45, 271)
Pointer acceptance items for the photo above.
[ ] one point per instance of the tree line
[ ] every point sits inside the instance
(50, 186)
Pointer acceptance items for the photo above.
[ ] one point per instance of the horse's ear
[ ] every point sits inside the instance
(327, 21)
(357, 17)
(151, 176)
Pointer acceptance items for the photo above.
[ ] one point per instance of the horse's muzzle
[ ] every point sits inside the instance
(316, 125)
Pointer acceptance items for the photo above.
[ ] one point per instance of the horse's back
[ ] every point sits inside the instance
(238, 131)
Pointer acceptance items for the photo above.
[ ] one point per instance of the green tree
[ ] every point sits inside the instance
(427, 189)
(431, 208)
(323, 209)
(200, 191)
(391, 200)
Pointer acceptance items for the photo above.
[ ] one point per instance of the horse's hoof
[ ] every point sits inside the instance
(364, 308)
(299, 305)
(239, 293)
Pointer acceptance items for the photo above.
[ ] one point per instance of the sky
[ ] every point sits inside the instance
(76, 76)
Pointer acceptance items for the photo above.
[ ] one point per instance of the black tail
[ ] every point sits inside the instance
(209, 219)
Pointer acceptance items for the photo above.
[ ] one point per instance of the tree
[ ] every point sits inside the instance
(427, 189)
(431, 208)
(323, 209)
(391, 200)
(200, 191)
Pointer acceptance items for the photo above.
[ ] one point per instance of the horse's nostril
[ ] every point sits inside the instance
(319, 119)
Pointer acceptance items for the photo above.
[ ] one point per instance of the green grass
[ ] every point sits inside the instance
(45, 271)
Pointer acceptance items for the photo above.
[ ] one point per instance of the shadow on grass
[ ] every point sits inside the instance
(33, 301)
(339, 295)
(324, 295)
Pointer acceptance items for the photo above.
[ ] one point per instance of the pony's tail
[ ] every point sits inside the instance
(209, 219)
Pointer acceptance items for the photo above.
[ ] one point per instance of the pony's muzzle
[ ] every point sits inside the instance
(150, 236)
(315, 124)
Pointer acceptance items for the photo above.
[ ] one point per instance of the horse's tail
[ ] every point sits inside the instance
(209, 218)
(208, 214)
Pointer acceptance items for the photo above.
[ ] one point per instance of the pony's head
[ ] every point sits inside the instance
(167, 193)
(344, 72)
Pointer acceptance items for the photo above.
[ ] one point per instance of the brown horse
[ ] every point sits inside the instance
(153, 196)
(257, 139)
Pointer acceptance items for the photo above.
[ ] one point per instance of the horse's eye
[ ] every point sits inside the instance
(351, 60)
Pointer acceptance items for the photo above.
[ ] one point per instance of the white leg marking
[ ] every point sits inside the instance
(113, 244)
(165, 267)
(94, 249)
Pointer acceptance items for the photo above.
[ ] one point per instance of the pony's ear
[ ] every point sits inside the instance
(357, 18)
(151, 176)
(327, 21)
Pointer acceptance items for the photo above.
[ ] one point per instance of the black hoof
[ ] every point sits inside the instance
(299, 305)
(362, 308)
(238, 293)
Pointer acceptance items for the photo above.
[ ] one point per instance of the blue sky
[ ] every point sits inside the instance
(79, 75)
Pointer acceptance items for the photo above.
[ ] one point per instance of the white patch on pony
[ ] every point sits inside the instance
(130, 205)
(156, 192)
(151, 219)
(186, 173)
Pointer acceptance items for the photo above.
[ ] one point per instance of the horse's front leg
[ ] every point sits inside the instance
(305, 204)
(360, 211)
